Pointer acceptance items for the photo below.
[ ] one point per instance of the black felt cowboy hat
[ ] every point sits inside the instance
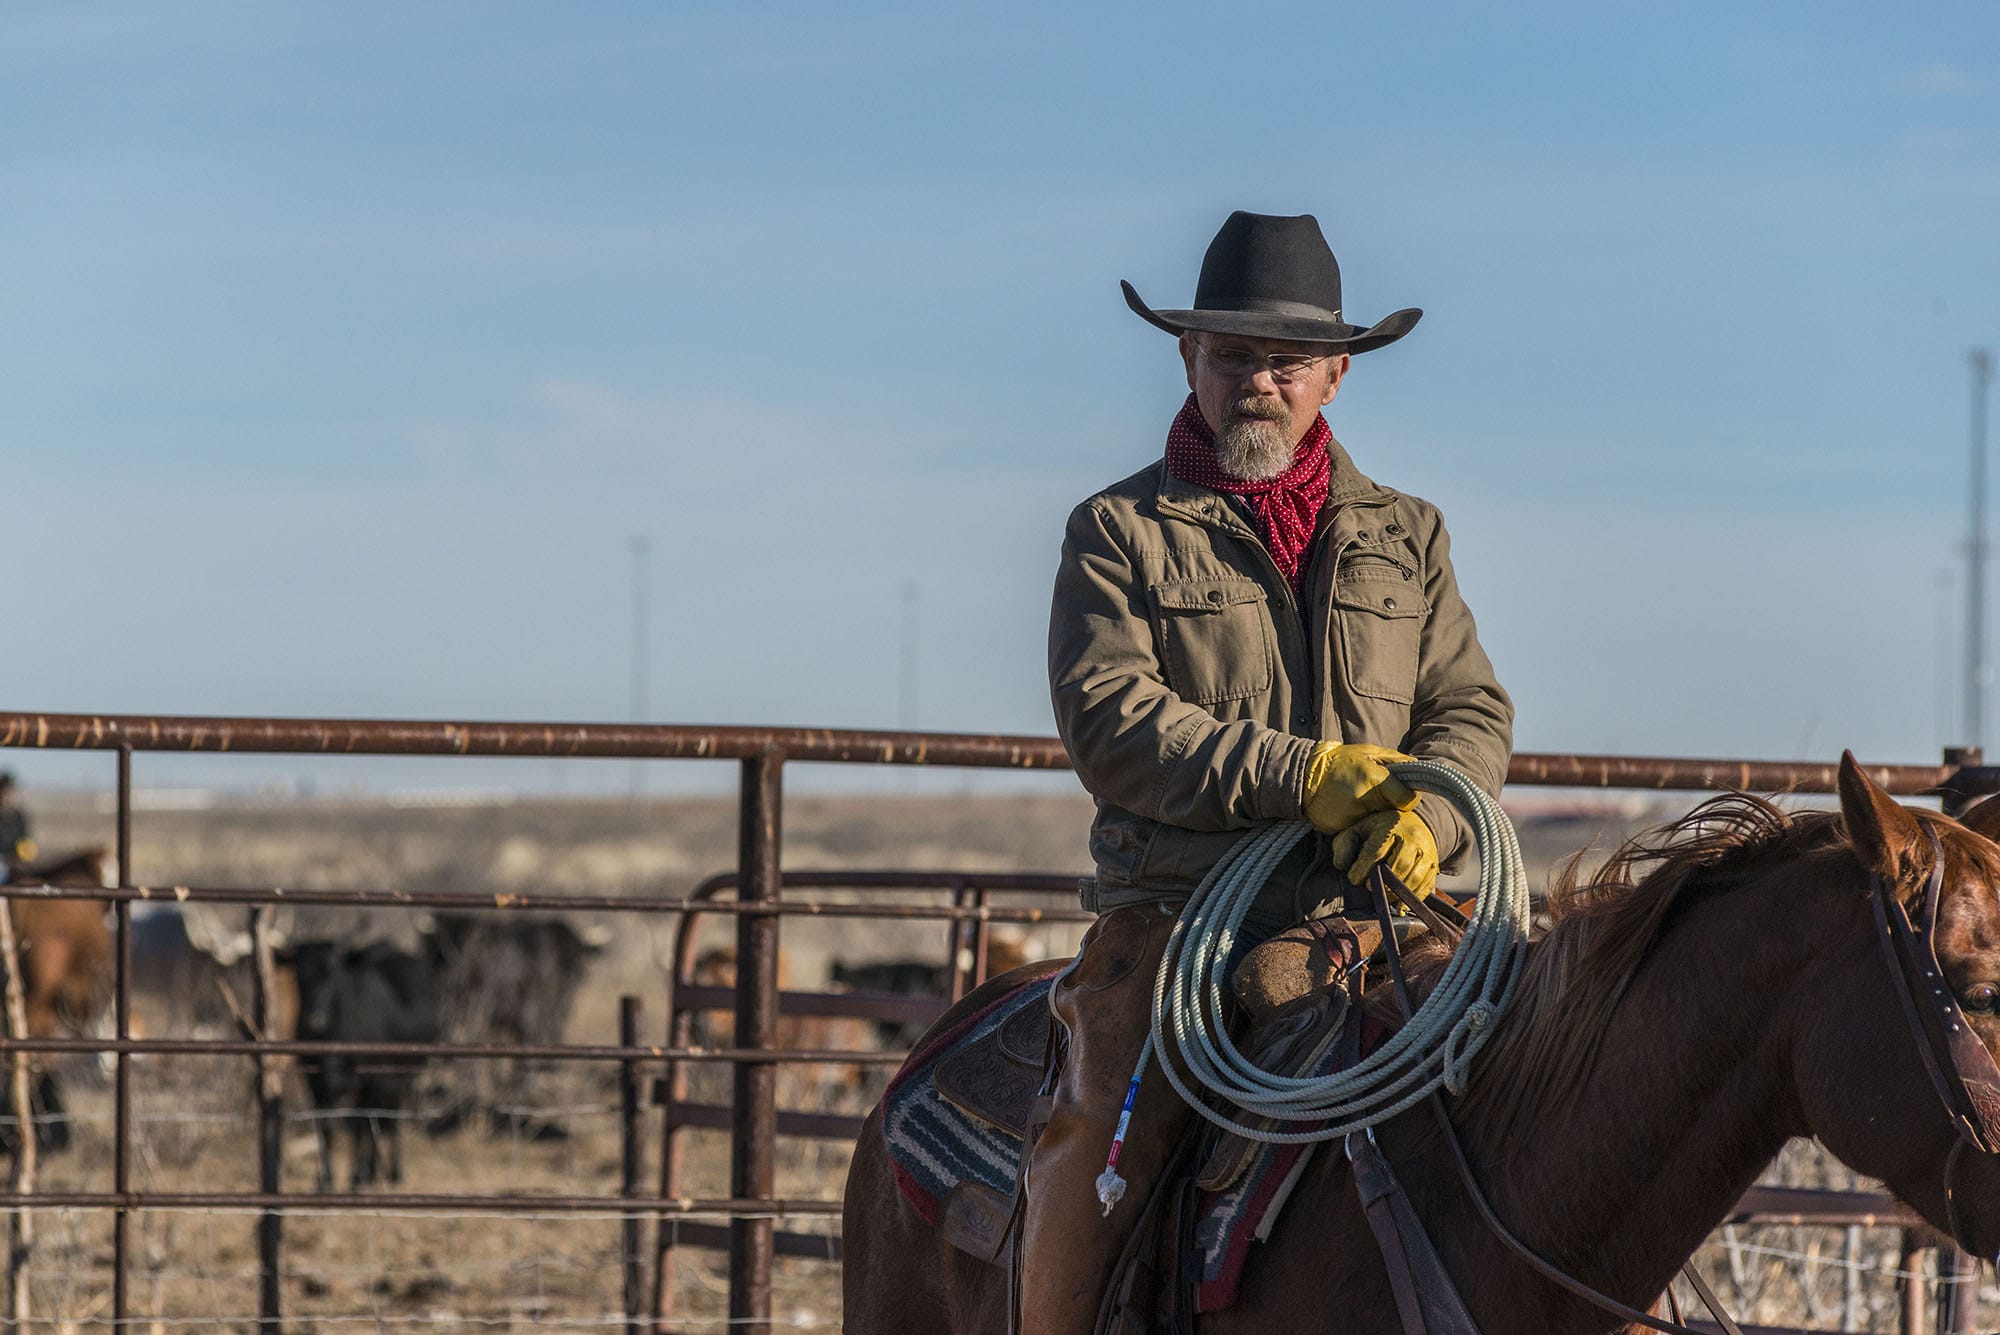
(1270, 277)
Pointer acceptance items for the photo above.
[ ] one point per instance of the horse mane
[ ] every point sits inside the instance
(1601, 929)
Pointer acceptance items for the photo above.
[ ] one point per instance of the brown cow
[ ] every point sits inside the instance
(806, 1086)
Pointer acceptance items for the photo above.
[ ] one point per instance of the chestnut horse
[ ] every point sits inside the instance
(67, 966)
(1717, 990)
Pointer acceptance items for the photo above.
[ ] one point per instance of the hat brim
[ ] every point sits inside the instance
(1344, 337)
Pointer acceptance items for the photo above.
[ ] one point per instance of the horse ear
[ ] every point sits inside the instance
(1984, 819)
(1883, 833)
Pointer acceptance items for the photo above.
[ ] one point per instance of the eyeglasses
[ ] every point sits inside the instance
(1284, 367)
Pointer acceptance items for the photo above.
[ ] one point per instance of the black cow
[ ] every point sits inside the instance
(910, 978)
(505, 978)
(362, 994)
(1005, 950)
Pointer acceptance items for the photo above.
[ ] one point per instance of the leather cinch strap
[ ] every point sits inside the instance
(1426, 1299)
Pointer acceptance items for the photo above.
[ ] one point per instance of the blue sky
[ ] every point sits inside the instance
(349, 344)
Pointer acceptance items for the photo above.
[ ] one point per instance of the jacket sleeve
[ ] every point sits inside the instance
(1134, 742)
(1461, 713)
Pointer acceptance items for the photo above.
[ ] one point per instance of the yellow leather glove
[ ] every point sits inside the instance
(1399, 840)
(1346, 781)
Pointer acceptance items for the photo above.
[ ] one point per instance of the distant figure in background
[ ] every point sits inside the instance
(16, 844)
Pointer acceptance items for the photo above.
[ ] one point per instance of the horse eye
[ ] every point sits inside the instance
(1980, 998)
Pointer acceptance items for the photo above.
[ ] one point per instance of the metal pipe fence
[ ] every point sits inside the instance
(751, 1212)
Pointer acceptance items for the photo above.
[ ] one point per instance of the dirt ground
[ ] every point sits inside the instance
(195, 1128)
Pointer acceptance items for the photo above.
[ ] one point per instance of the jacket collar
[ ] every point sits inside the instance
(1347, 486)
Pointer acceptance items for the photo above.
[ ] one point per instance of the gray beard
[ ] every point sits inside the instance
(1254, 449)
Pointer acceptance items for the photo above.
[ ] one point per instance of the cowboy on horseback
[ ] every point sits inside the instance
(1247, 630)
(17, 846)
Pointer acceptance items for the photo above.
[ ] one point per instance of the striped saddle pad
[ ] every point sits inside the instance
(933, 1146)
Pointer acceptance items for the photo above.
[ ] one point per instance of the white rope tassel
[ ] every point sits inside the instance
(1110, 1190)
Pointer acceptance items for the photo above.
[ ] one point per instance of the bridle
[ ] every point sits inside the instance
(1961, 1070)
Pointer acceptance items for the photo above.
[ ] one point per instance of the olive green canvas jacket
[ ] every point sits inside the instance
(1190, 686)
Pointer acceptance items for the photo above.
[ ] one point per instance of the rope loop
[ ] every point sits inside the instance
(1435, 1048)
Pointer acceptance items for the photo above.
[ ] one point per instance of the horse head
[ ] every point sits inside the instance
(1876, 1068)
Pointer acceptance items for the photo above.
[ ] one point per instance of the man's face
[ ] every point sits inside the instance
(1258, 413)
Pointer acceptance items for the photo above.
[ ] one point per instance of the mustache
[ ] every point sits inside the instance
(1260, 407)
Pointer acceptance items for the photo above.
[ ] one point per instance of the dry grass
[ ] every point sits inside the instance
(194, 1118)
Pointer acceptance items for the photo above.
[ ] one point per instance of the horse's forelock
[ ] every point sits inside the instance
(1972, 861)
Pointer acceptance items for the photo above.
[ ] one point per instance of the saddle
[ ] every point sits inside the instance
(1294, 1003)
(994, 1079)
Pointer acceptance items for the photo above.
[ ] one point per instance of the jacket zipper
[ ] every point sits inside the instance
(1407, 572)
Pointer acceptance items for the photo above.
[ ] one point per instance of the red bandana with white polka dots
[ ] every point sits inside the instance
(1286, 507)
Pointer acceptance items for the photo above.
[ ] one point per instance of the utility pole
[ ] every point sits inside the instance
(1957, 1291)
(642, 560)
(906, 710)
(1975, 555)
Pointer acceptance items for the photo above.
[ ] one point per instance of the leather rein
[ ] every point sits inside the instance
(1381, 884)
(1961, 1070)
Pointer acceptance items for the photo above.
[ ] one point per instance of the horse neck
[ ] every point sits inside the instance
(1689, 1096)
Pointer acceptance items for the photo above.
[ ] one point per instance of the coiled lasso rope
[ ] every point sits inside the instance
(1433, 1049)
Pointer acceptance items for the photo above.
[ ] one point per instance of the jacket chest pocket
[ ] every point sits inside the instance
(1216, 640)
(1380, 608)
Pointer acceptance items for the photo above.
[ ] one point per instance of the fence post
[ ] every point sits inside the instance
(121, 1131)
(674, 1093)
(679, 1034)
(629, 1097)
(21, 1245)
(962, 962)
(982, 935)
(1910, 1285)
(752, 1160)
(270, 1127)
(1851, 1302)
(1957, 1290)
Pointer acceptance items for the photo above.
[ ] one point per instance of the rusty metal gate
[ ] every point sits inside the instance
(752, 1235)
